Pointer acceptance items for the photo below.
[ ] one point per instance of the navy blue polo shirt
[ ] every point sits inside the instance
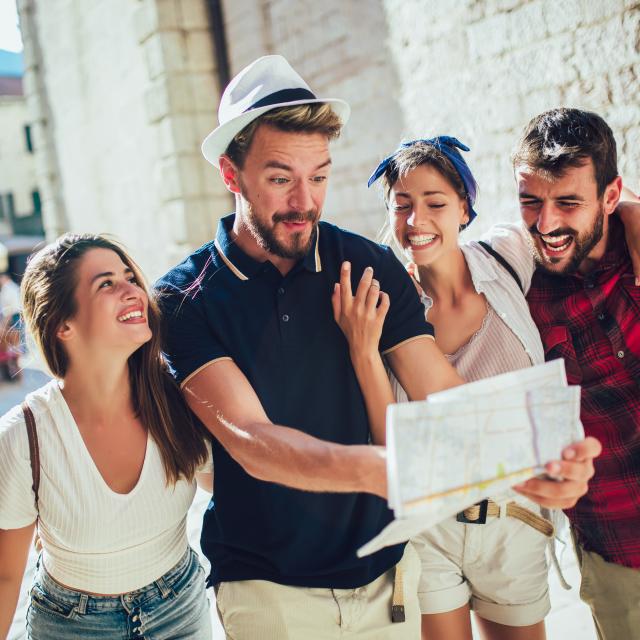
(280, 331)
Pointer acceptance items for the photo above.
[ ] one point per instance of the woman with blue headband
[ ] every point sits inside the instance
(497, 565)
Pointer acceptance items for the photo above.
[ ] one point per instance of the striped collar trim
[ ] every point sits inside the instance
(312, 262)
(316, 253)
(232, 267)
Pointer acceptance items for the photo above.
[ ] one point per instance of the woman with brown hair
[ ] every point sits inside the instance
(118, 453)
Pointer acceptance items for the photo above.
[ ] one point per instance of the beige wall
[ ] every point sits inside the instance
(127, 89)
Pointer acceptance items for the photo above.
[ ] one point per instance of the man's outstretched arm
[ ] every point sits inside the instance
(221, 396)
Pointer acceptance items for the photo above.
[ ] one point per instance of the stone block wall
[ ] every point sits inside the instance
(480, 69)
(123, 92)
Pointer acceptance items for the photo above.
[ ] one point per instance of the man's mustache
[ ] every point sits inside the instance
(566, 231)
(296, 216)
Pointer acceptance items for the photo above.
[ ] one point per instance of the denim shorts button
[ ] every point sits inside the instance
(285, 318)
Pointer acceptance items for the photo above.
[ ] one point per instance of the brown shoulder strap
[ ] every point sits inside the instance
(34, 449)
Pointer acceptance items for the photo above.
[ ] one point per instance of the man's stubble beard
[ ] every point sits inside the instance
(583, 245)
(265, 235)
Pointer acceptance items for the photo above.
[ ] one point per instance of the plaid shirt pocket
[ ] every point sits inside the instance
(558, 344)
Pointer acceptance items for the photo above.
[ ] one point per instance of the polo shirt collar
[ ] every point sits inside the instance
(245, 267)
(311, 262)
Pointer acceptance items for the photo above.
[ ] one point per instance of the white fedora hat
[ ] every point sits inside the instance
(267, 83)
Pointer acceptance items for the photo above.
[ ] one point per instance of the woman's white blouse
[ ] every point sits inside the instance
(93, 539)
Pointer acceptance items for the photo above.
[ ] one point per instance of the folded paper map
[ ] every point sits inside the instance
(474, 441)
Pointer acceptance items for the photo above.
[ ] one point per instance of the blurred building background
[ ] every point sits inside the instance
(121, 93)
(20, 206)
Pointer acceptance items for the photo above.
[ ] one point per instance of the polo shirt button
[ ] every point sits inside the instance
(285, 318)
(601, 316)
(281, 290)
(590, 285)
(620, 354)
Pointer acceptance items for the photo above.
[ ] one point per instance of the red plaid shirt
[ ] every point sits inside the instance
(593, 322)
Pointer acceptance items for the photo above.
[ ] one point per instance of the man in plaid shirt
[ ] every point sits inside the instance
(585, 301)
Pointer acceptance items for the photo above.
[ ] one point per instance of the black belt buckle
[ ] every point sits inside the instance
(397, 613)
(482, 518)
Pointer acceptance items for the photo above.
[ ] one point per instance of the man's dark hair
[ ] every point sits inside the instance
(562, 138)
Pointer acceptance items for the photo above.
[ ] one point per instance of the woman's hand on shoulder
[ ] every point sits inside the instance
(360, 316)
(629, 211)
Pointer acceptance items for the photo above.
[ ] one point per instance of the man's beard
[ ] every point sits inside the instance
(265, 235)
(583, 245)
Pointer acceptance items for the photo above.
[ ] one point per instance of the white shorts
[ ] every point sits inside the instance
(500, 568)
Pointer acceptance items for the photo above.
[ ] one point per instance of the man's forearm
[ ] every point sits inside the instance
(286, 456)
(223, 399)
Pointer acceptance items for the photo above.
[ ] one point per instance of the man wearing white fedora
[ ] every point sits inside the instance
(252, 341)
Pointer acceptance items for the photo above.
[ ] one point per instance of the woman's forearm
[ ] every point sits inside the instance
(9, 592)
(14, 551)
(376, 389)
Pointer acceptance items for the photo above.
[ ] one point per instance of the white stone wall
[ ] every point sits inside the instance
(124, 91)
(480, 69)
(340, 49)
(17, 166)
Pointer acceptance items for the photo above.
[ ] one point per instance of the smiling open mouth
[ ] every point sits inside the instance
(422, 240)
(556, 244)
(129, 316)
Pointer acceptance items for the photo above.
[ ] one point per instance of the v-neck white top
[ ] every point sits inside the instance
(93, 539)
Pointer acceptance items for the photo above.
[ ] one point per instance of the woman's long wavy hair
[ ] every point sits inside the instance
(48, 300)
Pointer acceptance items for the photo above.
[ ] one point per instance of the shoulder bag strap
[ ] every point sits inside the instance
(34, 449)
(512, 272)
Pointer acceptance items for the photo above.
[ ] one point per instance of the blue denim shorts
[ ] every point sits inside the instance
(173, 606)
